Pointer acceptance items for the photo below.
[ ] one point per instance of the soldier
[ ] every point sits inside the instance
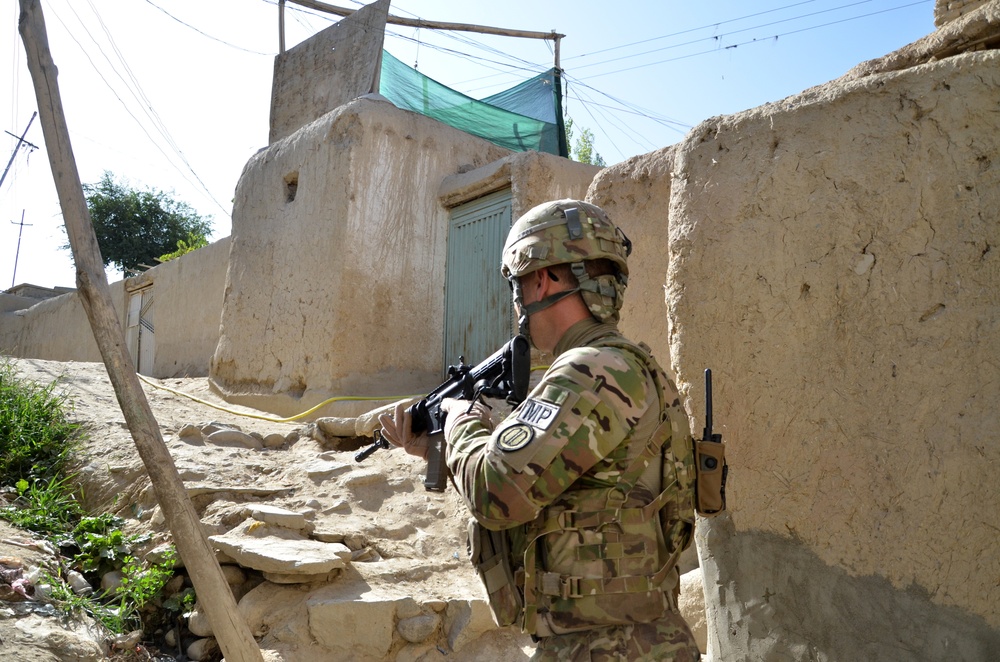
(582, 498)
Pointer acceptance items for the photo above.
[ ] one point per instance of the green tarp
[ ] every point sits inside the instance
(525, 117)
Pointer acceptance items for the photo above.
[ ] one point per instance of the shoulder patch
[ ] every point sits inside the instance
(515, 438)
(537, 413)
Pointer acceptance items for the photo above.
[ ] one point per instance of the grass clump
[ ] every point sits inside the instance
(37, 442)
(36, 437)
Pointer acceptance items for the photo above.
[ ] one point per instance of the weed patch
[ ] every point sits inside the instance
(37, 442)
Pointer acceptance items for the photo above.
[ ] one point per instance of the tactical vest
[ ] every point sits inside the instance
(605, 556)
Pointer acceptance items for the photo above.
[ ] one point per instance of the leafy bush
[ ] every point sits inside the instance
(36, 438)
(36, 445)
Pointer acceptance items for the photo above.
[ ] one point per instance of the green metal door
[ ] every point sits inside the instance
(478, 307)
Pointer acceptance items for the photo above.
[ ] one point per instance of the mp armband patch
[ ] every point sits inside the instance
(515, 438)
(537, 414)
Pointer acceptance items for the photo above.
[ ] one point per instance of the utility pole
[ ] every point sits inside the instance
(18, 253)
(20, 141)
(214, 594)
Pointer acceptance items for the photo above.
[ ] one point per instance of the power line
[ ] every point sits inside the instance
(688, 30)
(204, 34)
(718, 37)
(144, 102)
(758, 40)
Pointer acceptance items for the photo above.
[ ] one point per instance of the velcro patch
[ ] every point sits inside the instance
(537, 413)
(515, 438)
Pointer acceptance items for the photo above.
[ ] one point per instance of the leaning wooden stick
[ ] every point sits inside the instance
(214, 595)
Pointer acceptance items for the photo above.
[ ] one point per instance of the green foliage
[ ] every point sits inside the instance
(102, 543)
(193, 242)
(121, 610)
(36, 442)
(583, 149)
(46, 507)
(182, 603)
(135, 227)
(36, 438)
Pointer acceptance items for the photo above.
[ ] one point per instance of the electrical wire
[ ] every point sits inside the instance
(718, 37)
(128, 110)
(145, 103)
(204, 34)
(689, 30)
(758, 40)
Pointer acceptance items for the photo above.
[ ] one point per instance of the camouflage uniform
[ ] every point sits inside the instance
(595, 516)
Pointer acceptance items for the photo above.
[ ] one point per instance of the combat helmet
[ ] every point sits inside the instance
(568, 232)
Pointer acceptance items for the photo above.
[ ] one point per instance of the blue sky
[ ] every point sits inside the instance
(175, 94)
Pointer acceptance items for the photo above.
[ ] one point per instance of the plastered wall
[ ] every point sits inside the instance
(833, 257)
(188, 305)
(636, 195)
(336, 281)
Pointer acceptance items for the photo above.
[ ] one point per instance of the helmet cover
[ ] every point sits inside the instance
(571, 232)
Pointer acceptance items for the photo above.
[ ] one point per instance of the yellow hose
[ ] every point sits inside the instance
(272, 419)
(290, 419)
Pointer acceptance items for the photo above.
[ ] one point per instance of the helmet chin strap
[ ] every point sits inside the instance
(531, 308)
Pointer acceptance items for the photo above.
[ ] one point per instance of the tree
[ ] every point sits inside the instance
(583, 149)
(193, 242)
(135, 227)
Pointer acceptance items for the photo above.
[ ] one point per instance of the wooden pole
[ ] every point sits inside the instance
(214, 594)
(433, 25)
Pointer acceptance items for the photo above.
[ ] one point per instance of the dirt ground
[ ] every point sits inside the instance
(379, 506)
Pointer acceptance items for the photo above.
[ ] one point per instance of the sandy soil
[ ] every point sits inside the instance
(416, 537)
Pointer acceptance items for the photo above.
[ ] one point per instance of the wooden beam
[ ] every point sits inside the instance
(214, 594)
(432, 25)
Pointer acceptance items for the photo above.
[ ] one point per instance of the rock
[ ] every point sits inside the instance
(336, 427)
(270, 607)
(418, 628)
(111, 581)
(353, 627)
(129, 640)
(161, 553)
(191, 434)
(300, 578)
(436, 605)
(215, 426)
(366, 424)
(79, 583)
(323, 469)
(234, 439)
(51, 639)
(267, 548)
(278, 516)
(193, 473)
(202, 649)
(407, 608)
(176, 584)
(363, 478)
(417, 653)
(198, 624)
(274, 440)
(234, 574)
(692, 606)
(465, 620)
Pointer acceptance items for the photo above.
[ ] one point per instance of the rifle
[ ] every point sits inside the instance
(710, 463)
(503, 375)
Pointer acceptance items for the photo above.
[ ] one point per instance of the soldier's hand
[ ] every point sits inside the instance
(398, 430)
(463, 411)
